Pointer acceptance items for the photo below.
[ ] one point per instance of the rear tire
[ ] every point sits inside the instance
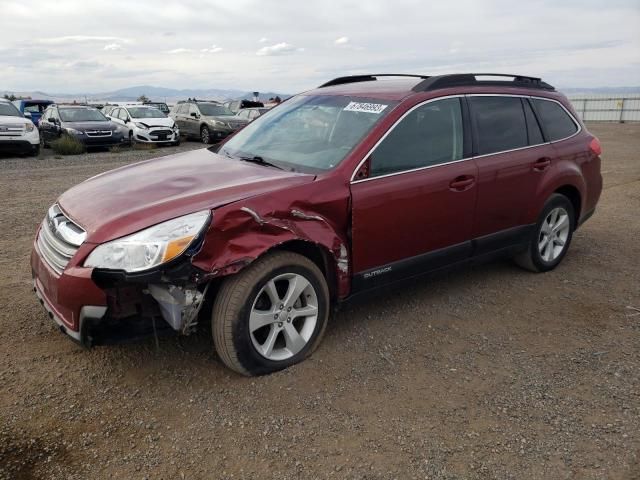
(552, 236)
(271, 315)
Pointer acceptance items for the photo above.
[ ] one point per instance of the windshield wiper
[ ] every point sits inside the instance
(259, 161)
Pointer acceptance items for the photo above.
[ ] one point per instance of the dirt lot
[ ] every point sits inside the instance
(489, 372)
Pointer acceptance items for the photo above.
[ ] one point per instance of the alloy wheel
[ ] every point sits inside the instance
(283, 316)
(554, 233)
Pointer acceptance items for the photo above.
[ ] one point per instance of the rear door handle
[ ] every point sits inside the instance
(462, 183)
(542, 164)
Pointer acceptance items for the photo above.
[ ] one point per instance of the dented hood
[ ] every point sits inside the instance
(131, 198)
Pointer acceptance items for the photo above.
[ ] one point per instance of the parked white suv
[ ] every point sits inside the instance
(146, 124)
(17, 133)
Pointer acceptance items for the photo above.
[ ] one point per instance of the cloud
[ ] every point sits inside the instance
(263, 40)
(178, 51)
(212, 49)
(341, 41)
(282, 48)
(112, 47)
(79, 39)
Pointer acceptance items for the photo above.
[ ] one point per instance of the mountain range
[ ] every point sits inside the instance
(161, 94)
(172, 95)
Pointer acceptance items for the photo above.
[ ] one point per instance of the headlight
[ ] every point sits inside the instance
(141, 125)
(154, 246)
(74, 131)
(29, 127)
(218, 123)
(175, 126)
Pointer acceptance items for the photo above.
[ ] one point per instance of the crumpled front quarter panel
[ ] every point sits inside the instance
(317, 213)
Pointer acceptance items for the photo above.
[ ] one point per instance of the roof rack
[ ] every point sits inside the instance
(366, 78)
(454, 80)
(471, 79)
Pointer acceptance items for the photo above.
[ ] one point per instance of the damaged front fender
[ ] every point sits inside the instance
(241, 233)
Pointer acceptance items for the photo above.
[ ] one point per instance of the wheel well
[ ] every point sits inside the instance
(573, 195)
(318, 255)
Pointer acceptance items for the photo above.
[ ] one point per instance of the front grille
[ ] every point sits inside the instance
(59, 239)
(161, 132)
(98, 133)
(11, 129)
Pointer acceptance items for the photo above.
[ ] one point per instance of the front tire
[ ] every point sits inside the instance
(552, 236)
(205, 135)
(270, 315)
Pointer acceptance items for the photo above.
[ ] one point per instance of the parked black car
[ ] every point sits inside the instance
(86, 124)
(209, 121)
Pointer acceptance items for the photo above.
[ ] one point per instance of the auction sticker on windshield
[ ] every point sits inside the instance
(365, 107)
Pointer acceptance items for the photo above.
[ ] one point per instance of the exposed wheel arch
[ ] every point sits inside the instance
(318, 255)
(573, 194)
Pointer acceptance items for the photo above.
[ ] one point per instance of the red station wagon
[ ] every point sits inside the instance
(362, 182)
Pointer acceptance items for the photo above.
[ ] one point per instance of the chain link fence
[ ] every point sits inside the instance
(607, 108)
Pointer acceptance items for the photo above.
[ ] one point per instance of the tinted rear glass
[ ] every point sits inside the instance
(500, 123)
(533, 128)
(556, 121)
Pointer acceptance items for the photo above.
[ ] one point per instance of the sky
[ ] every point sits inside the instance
(76, 46)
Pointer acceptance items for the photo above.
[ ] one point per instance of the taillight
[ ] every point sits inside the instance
(595, 146)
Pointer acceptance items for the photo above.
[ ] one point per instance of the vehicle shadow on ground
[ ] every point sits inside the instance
(171, 351)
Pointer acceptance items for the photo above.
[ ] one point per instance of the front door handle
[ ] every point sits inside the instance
(462, 183)
(542, 164)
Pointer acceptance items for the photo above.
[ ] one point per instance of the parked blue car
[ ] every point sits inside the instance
(32, 109)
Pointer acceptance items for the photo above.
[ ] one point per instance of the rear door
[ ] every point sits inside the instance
(414, 210)
(512, 158)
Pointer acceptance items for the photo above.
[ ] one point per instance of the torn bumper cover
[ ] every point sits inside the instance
(100, 307)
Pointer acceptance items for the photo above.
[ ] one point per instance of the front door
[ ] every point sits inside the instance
(414, 211)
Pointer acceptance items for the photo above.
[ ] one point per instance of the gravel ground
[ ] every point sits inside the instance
(487, 372)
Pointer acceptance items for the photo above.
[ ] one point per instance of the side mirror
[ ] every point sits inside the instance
(194, 114)
(126, 120)
(51, 120)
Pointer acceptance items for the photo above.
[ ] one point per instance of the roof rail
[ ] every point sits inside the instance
(366, 78)
(471, 79)
(453, 80)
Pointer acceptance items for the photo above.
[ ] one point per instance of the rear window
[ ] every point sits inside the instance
(556, 121)
(500, 123)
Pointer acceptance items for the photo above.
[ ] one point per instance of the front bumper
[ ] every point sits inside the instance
(18, 146)
(101, 141)
(157, 135)
(71, 298)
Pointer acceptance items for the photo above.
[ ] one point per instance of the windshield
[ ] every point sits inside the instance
(160, 106)
(145, 112)
(8, 110)
(81, 115)
(34, 107)
(211, 110)
(311, 133)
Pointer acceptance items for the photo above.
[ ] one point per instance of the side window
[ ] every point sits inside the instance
(430, 135)
(555, 120)
(113, 113)
(122, 114)
(193, 109)
(54, 114)
(533, 128)
(499, 123)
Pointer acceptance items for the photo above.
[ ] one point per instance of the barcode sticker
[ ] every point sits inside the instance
(376, 108)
